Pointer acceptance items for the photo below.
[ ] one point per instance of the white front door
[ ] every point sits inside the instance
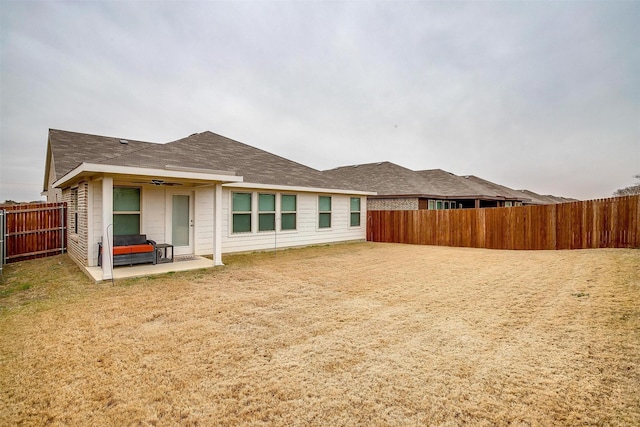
(180, 221)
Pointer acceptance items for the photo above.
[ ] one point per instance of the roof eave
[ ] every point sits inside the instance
(297, 188)
(91, 168)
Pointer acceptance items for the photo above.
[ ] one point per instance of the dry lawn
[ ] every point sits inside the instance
(355, 334)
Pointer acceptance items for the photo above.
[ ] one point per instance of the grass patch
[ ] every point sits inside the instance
(362, 334)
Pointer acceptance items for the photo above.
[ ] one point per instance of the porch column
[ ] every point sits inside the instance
(217, 226)
(107, 228)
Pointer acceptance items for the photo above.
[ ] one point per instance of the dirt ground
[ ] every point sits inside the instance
(345, 335)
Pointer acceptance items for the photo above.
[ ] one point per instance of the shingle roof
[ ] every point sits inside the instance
(205, 150)
(389, 179)
(70, 149)
(451, 185)
(385, 178)
(492, 187)
(548, 199)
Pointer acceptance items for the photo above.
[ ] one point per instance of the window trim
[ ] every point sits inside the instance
(138, 212)
(273, 212)
(283, 212)
(325, 212)
(74, 208)
(234, 213)
(352, 212)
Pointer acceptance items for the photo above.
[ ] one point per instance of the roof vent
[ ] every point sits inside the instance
(124, 141)
(355, 166)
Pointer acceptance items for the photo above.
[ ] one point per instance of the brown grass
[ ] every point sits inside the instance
(358, 334)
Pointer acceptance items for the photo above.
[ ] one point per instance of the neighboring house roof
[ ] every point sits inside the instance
(539, 199)
(389, 179)
(451, 185)
(385, 178)
(204, 150)
(492, 187)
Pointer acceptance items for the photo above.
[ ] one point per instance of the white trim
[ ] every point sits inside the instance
(217, 226)
(318, 212)
(168, 230)
(129, 170)
(249, 185)
(107, 220)
(89, 205)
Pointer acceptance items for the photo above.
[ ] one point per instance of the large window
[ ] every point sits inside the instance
(324, 211)
(288, 212)
(266, 212)
(126, 211)
(355, 211)
(241, 212)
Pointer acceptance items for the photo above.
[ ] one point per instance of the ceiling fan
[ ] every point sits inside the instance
(158, 182)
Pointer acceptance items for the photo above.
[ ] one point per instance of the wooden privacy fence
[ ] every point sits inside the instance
(33, 231)
(605, 223)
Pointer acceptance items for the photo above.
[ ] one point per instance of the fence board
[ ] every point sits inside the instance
(34, 231)
(604, 223)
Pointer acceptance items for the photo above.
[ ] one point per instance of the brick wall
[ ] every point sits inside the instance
(77, 242)
(405, 204)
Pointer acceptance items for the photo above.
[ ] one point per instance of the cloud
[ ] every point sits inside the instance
(527, 94)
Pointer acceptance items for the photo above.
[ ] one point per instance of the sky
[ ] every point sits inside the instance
(535, 95)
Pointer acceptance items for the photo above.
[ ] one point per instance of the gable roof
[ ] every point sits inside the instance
(208, 150)
(204, 151)
(70, 149)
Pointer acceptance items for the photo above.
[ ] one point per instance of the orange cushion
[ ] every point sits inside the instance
(132, 249)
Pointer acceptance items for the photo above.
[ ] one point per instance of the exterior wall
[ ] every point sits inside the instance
(153, 207)
(96, 221)
(84, 246)
(77, 242)
(203, 220)
(53, 194)
(307, 232)
(404, 204)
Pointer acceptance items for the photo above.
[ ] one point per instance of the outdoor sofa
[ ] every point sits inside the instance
(131, 249)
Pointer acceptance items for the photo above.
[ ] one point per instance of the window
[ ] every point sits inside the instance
(241, 212)
(126, 211)
(288, 212)
(508, 204)
(432, 204)
(324, 211)
(355, 211)
(266, 212)
(74, 208)
(439, 204)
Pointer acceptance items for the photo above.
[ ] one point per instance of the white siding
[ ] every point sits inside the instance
(153, 212)
(307, 232)
(203, 221)
(95, 235)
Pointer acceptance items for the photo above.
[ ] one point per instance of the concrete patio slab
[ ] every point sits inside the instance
(194, 263)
